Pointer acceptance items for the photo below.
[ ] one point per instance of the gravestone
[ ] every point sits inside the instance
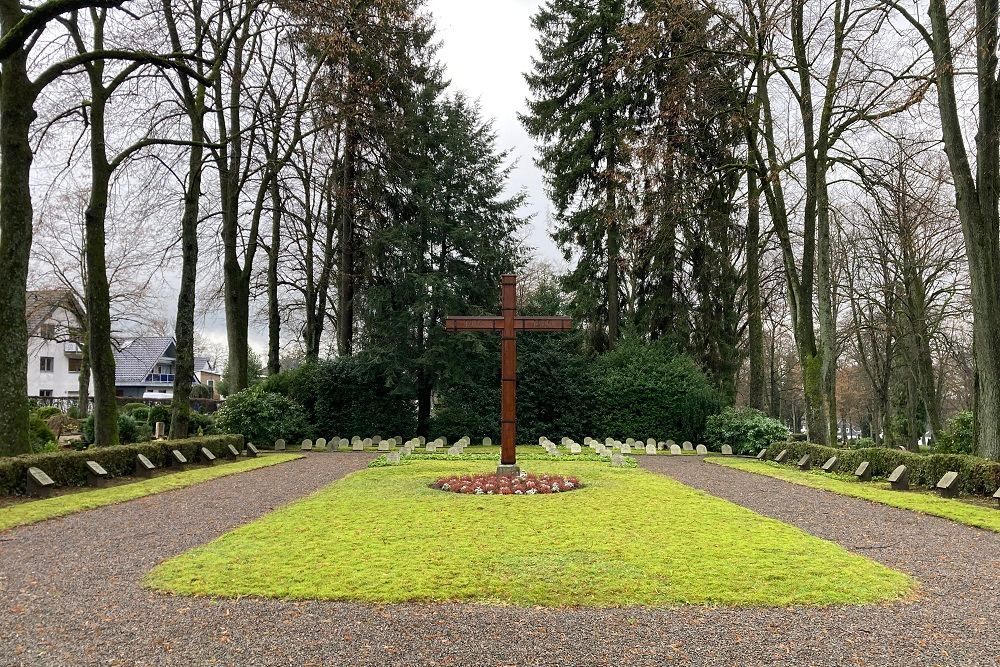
(727, 450)
(651, 441)
(392, 457)
(355, 439)
(651, 449)
(687, 446)
(864, 472)
(627, 447)
(206, 456)
(487, 442)
(358, 445)
(661, 445)
(307, 445)
(617, 460)
(670, 443)
(176, 458)
(701, 449)
(97, 476)
(431, 446)
(675, 450)
(252, 451)
(40, 485)
(805, 462)
(375, 438)
(279, 445)
(232, 452)
(321, 443)
(161, 430)
(454, 450)
(899, 479)
(367, 443)
(398, 440)
(385, 446)
(780, 458)
(421, 440)
(143, 466)
(629, 441)
(575, 448)
(761, 454)
(830, 465)
(996, 496)
(947, 486)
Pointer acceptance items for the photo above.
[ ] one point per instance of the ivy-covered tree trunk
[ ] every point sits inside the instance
(756, 389)
(83, 382)
(17, 97)
(345, 328)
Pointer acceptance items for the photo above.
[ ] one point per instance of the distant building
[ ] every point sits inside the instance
(55, 357)
(207, 374)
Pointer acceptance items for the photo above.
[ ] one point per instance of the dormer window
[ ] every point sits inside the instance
(47, 331)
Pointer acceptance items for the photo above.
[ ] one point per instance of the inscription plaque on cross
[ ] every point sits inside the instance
(508, 324)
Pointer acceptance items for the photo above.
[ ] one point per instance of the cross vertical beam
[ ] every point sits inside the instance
(508, 373)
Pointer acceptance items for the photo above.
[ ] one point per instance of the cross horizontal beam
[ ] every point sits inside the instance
(491, 323)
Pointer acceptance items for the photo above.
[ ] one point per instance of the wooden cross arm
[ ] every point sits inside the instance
(490, 323)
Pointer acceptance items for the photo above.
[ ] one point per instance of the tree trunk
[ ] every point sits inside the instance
(273, 316)
(83, 383)
(755, 325)
(17, 112)
(345, 332)
(827, 316)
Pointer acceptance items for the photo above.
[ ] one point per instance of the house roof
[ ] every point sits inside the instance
(40, 304)
(203, 364)
(135, 360)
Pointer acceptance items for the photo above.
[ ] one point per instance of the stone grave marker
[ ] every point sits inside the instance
(805, 463)
(206, 456)
(830, 465)
(487, 442)
(97, 476)
(432, 446)
(385, 445)
(627, 447)
(727, 450)
(670, 443)
(367, 443)
(687, 446)
(40, 485)
(575, 448)
(899, 479)
(232, 452)
(321, 443)
(629, 441)
(161, 430)
(177, 458)
(358, 445)
(651, 449)
(376, 438)
(675, 450)
(651, 441)
(780, 458)
(761, 454)
(864, 472)
(947, 486)
(355, 439)
(996, 496)
(252, 451)
(307, 445)
(279, 445)
(143, 466)
(702, 450)
(617, 460)
(392, 457)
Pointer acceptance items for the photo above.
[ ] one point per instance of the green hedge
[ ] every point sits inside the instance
(68, 468)
(977, 476)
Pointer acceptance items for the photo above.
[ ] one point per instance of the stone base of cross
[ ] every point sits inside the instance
(508, 324)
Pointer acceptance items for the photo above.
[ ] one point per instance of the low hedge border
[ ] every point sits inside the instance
(977, 476)
(68, 468)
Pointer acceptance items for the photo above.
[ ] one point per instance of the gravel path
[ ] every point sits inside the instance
(70, 595)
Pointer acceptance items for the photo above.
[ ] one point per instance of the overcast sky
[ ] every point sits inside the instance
(486, 48)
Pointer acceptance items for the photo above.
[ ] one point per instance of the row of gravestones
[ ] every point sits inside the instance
(899, 478)
(41, 485)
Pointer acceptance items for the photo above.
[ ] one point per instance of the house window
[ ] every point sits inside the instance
(75, 365)
(211, 384)
(46, 365)
(47, 331)
(45, 393)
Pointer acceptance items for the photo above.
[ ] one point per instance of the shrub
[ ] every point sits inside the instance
(140, 414)
(201, 424)
(262, 417)
(129, 408)
(201, 391)
(39, 434)
(129, 430)
(68, 468)
(744, 429)
(47, 411)
(956, 436)
(977, 476)
(158, 413)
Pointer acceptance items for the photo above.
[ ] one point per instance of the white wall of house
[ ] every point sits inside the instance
(53, 365)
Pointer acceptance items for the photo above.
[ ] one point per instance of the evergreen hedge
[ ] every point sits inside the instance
(68, 468)
(977, 476)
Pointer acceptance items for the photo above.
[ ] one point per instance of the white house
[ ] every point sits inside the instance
(54, 353)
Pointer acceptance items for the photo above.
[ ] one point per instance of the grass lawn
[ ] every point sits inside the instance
(630, 537)
(34, 511)
(926, 502)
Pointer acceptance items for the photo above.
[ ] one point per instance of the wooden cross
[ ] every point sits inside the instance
(508, 324)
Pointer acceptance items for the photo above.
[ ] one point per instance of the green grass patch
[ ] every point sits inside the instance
(34, 511)
(629, 537)
(925, 502)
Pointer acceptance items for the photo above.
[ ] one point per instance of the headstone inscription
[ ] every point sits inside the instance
(864, 472)
(206, 456)
(97, 476)
(805, 462)
(40, 485)
(780, 458)
(727, 450)
(947, 486)
(830, 465)
(143, 466)
(899, 479)
(701, 450)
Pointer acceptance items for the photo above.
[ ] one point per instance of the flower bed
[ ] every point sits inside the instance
(504, 485)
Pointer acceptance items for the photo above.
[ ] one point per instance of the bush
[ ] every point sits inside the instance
(47, 411)
(202, 391)
(744, 429)
(158, 413)
(262, 417)
(140, 414)
(977, 476)
(129, 408)
(39, 434)
(201, 424)
(68, 468)
(129, 430)
(956, 436)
